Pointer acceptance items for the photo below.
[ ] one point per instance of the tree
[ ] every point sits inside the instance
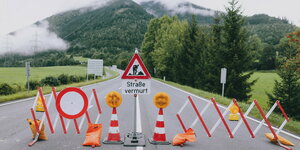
(190, 56)
(235, 54)
(148, 44)
(288, 89)
(212, 65)
(168, 48)
(267, 60)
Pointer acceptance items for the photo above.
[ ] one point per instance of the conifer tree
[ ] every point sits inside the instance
(288, 89)
(235, 54)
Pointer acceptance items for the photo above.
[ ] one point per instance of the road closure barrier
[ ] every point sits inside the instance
(273, 136)
(62, 111)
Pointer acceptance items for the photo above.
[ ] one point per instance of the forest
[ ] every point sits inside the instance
(190, 54)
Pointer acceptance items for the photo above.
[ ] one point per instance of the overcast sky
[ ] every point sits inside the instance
(15, 14)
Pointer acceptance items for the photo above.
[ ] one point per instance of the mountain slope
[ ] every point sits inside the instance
(118, 26)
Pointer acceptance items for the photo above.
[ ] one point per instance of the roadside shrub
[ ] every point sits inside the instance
(74, 78)
(64, 79)
(51, 81)
(91, 76)
(6, 89)
(33, 85)
(82, 78)
(17, 87)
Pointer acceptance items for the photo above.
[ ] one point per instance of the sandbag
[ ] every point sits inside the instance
(93, 135)
(42, 135)
(280, 138)
(181, 138)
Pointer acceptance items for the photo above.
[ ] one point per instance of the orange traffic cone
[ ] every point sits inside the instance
(159, 136)
(114, 136)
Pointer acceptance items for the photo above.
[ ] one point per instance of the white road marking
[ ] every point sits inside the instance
(120, 88)
(206, 100)
(138, 119)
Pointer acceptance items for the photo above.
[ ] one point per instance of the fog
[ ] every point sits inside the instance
(172, 5)
(34, 38)
(37, 37)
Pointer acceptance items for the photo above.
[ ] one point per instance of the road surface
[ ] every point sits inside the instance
(15, 133)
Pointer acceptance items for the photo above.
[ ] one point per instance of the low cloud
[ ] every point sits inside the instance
(35, 38)
(175, 6)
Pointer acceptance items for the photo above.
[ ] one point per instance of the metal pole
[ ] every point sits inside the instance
(134, 120)
(223, 86)
(27, 84)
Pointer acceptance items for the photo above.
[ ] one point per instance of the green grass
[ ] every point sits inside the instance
(265, 84)
(275, 119)
(47, 89)
(16, 75)
(80, 59)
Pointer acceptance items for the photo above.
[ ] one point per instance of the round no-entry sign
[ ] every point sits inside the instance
(73, 105)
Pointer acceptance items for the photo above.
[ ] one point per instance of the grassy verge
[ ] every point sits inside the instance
(47, 89)
(16, 75)
(275, 119)
(265, 84)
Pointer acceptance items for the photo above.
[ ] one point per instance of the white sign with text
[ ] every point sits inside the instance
(136, 86)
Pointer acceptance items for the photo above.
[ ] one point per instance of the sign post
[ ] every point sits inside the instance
(27, 66)
(223, 79)
(135, 81)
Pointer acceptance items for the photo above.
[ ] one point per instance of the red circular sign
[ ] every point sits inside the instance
(62, 93)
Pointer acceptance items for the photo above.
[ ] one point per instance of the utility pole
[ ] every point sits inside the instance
(7, 51)
(35, 46)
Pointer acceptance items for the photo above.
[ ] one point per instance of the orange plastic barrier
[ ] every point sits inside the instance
(93, 135)
(181, 138)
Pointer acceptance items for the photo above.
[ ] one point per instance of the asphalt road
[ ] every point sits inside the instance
(15, 133)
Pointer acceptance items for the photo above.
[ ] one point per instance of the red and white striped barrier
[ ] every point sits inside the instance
(58, 115)
(243, 116)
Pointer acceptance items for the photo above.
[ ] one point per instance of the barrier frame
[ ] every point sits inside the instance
(45, 115)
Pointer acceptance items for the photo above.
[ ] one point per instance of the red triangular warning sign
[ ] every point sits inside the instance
(136, 69)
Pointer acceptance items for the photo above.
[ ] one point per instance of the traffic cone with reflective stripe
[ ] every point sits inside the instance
(159, 136)
(114, 136)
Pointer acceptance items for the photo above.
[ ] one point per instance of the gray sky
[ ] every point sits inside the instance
(15, 14)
